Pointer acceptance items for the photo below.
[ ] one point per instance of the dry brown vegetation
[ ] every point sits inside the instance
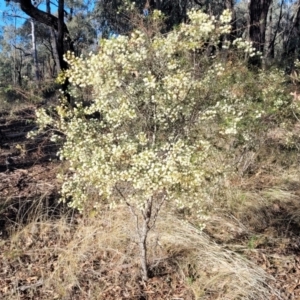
(248, 250)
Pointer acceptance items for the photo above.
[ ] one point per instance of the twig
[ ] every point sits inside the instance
(34, 285)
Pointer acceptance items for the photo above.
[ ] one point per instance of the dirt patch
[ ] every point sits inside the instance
(28, 167)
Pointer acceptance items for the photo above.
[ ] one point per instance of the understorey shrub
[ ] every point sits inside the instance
(163, 102)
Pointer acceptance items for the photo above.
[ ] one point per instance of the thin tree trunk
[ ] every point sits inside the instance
(18, 70)
(270, 51)
(143, 234)
(60, 34)
(34, 52)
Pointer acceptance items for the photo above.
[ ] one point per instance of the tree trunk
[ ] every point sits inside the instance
(18, 70)
(39, 15)
(270, 49)
(34, 52)
(54, 52)
(229, 4)
(258, 11)
(60, 35)
(291, 42)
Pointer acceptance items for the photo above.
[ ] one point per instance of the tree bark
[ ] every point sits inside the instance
(229, 4)
(258, 12)
(60, 34)
(54, 52)
(38, 14)
(292, 40)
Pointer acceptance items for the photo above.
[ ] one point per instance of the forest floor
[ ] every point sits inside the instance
(39, 238)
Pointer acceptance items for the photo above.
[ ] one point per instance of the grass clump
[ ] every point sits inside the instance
(97, 258)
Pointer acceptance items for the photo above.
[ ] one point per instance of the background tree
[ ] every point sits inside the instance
(291, 40)
(258, 12)
(55, 22)
(272, 25)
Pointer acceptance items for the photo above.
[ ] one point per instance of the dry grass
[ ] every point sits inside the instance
(254, 216)
(261, 196)
(97, 258)
(212, 271)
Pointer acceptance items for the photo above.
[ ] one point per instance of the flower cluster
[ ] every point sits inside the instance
(246, 46)
(154, 95)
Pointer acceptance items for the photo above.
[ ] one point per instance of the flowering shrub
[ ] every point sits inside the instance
(146, 143)
(155, 95)
(158, 96)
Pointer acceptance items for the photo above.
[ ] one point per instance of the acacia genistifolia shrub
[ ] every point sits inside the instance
(159, 98)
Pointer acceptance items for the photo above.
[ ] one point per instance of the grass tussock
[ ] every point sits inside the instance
(97, 258)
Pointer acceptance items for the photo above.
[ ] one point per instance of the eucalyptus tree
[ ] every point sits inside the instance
(57, 23)
(258, 12)
(13, 54)
(291, 38)
(41, 48)
(53, 43)
(81, 17)
(7, 58)
(274, 29)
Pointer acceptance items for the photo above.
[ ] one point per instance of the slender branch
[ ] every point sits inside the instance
(157, 210)
(25, 53)
(135, 215)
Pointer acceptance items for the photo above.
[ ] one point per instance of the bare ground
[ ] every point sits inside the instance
(32, 172)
